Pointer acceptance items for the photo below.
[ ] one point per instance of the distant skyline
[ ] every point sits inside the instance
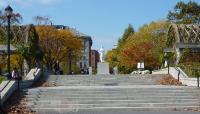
(103, 20)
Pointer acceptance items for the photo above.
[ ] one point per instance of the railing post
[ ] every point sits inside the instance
(1, 109)
(196, 72)
(0, 100)
(168, 66)
(179, 75)
(198, 81)
(18, 86)
(0, 104)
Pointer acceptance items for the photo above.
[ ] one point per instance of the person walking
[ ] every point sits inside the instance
(15, 74)
(0, 71)
(56, 68)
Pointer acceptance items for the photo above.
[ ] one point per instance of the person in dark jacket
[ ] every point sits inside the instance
(56, 68)
(0, 71)
(15, 74)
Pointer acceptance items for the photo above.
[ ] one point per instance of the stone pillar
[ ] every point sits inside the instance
(90, 70)
(103, 68)
(115, 70)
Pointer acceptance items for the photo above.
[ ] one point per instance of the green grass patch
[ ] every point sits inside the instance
(2, 78)
(189, 69)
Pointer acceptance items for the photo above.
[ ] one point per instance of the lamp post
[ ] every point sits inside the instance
(70, 61)
(9, 12)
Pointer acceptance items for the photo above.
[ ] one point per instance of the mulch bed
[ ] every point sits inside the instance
(43, 82)
(169, 80)
(16, 104)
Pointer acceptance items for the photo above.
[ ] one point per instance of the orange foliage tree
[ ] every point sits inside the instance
(136, 53)
(56, 44)
(144, 45)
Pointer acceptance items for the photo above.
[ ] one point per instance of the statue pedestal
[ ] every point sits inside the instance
(103, 68)
(90, 70)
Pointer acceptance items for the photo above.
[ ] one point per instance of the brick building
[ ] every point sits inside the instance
(94, 58)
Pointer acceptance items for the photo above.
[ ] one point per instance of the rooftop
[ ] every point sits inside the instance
(78, 33)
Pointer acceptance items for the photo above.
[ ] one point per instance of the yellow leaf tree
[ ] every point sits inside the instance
(56, 44)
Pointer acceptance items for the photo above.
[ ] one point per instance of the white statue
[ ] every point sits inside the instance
(102, 54)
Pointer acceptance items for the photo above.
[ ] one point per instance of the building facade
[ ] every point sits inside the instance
(94, 59)
(85, 61)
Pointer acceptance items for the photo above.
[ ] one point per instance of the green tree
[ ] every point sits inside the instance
(26, 41)
(113, 55)
(145, 45)
(127, 32)
(185, 13)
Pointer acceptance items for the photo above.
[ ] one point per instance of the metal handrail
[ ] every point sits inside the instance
(34, 73)
(197, 70)
(179, 72)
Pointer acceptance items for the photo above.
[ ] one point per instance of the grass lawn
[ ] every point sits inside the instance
(189, 69)
(2, 78)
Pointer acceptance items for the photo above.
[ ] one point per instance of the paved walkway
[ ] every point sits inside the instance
(122, 94)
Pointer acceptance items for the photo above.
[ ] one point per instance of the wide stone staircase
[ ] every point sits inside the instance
(80, 93)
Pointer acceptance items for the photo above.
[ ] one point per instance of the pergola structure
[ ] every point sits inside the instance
(183, 36)
(3, 48)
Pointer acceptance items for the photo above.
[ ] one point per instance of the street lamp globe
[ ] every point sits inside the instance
(8, 11)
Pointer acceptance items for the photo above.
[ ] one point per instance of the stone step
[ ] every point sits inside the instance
(114, 109)
(128, 101)
(109, 95)
(106, 94)
(110, 98)
(101, 93)
(133, 87)
(101, 80)
(113, 92)
(39, 105)
(110, 89)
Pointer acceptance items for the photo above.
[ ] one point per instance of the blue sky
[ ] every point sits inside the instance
(104, 20)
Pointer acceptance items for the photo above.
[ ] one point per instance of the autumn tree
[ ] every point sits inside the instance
(146, 45)
(113, 56)
(127, 32)
(26, 41)
(16, 19)
(185, 13)
(56, 44)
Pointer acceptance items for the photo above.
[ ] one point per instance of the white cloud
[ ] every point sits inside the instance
(29, 2)
(47, 2)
